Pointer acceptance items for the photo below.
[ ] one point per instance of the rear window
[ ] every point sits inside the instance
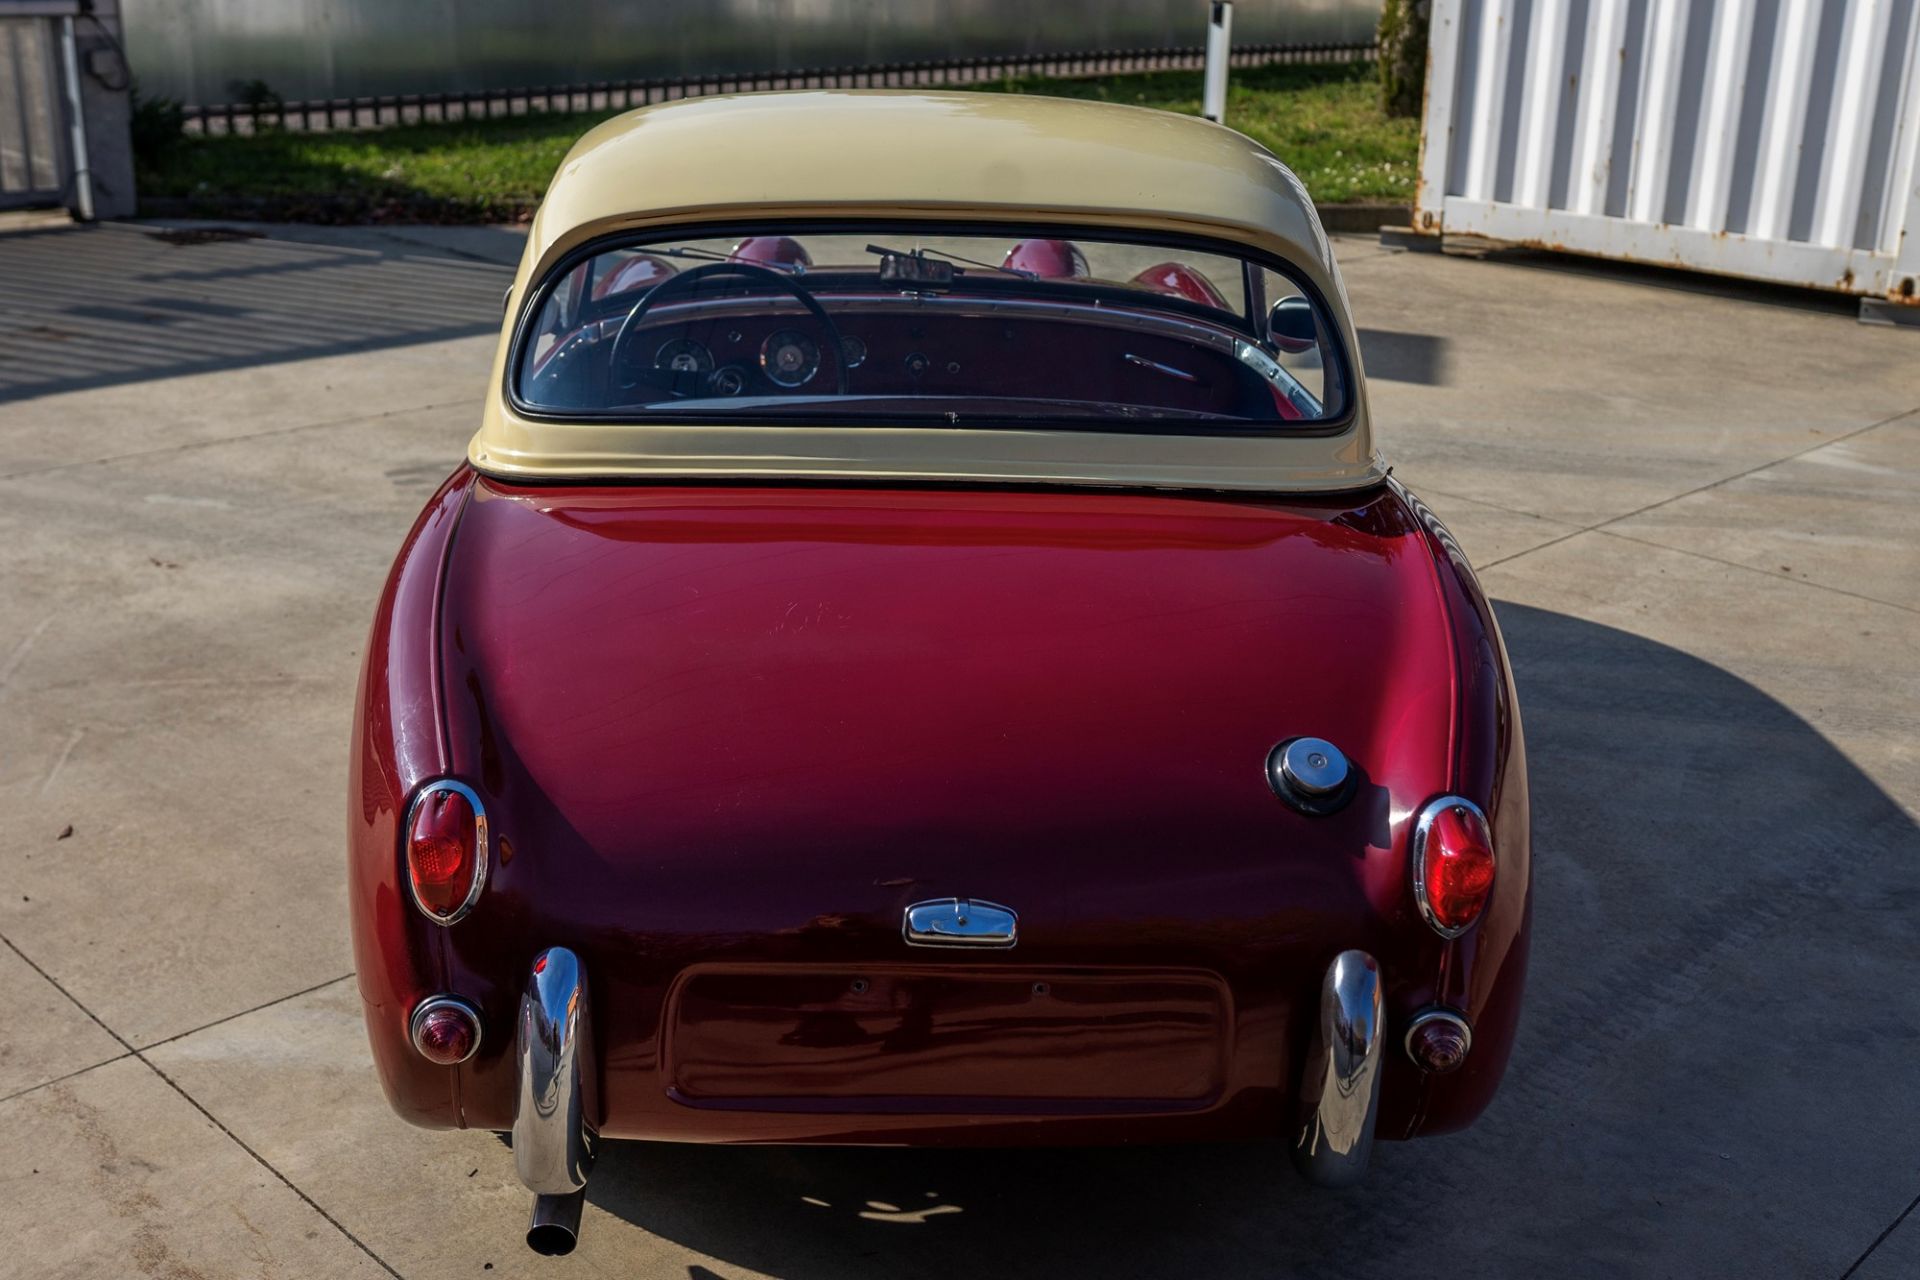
(893, 324)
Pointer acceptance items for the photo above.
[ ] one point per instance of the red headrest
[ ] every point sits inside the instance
(1182, 281)
(772, 251)
(642, 271)
(1048, 259)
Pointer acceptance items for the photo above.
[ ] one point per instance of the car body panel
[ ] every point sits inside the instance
(399, 743)
(745, 728)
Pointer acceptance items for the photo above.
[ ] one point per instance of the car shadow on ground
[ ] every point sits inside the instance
(1716, 1043)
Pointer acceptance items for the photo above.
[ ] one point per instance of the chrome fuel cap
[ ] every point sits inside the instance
(1311, 774)
(1313, 766)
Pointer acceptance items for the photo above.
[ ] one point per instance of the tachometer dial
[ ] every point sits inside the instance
(683, 355)
(789, 358)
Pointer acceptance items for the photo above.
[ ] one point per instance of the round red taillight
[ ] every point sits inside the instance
(446, 850)
(446, 1030)
(1438, 1040)
(1452, 864)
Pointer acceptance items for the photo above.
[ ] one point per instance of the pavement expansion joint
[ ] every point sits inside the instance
(1601, 525)
(1881, 1238)
(1745, 568)
(191, 1101)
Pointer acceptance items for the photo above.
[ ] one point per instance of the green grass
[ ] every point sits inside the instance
(467, 171)
(1323, 120)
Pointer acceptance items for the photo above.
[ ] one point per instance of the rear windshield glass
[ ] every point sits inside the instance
(893, 324)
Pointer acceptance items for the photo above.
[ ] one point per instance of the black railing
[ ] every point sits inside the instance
(618, 95)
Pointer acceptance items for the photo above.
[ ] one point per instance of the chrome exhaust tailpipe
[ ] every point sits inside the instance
(1340, 1084)
(555, 1111)
(555, 1228)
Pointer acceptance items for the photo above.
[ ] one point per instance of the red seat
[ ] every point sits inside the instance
(641, 271)
(1182, 281)
(1047, 259)
(772, 251)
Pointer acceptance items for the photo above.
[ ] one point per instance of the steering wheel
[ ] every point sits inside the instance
(712, 270)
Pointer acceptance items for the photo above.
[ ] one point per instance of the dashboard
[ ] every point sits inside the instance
(891, 348)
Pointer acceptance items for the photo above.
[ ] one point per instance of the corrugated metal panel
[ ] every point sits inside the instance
(196, 50)
(33, 163)
(1774, 139)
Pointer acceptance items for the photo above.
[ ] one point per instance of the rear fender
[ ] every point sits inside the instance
(1483, 972)
(399, 741)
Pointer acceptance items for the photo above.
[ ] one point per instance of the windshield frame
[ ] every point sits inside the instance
(1243, 323)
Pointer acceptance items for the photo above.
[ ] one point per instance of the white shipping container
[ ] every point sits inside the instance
(1772, 139)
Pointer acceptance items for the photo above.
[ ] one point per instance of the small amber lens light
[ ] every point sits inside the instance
(446, 1033)
(443, 852)
(1457, 867)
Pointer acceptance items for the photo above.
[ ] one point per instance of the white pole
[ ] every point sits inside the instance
(1213, 100)
(82, 174)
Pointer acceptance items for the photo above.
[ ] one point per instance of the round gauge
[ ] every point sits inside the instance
(789, 358)
(683, 355)
(853, 351)
(730, 381)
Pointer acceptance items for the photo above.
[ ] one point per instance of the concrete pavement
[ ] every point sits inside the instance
(1695, 507)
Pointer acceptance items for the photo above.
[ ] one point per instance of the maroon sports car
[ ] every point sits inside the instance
(923, 650)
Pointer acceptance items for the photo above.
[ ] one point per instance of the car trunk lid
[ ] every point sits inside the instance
(784, 714)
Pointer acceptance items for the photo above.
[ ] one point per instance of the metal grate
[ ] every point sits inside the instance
(619, 95)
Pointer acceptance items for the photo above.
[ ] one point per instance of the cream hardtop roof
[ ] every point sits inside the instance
(1000, 154)
(927, 155)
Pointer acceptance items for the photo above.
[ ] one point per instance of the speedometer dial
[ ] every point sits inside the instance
(789, 358)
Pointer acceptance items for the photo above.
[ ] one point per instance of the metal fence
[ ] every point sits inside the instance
(1773, 139)
(615, 95)
(199, 50)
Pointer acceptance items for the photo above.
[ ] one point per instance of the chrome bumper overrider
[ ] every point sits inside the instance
(1340, 1084)
(555, 1108)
